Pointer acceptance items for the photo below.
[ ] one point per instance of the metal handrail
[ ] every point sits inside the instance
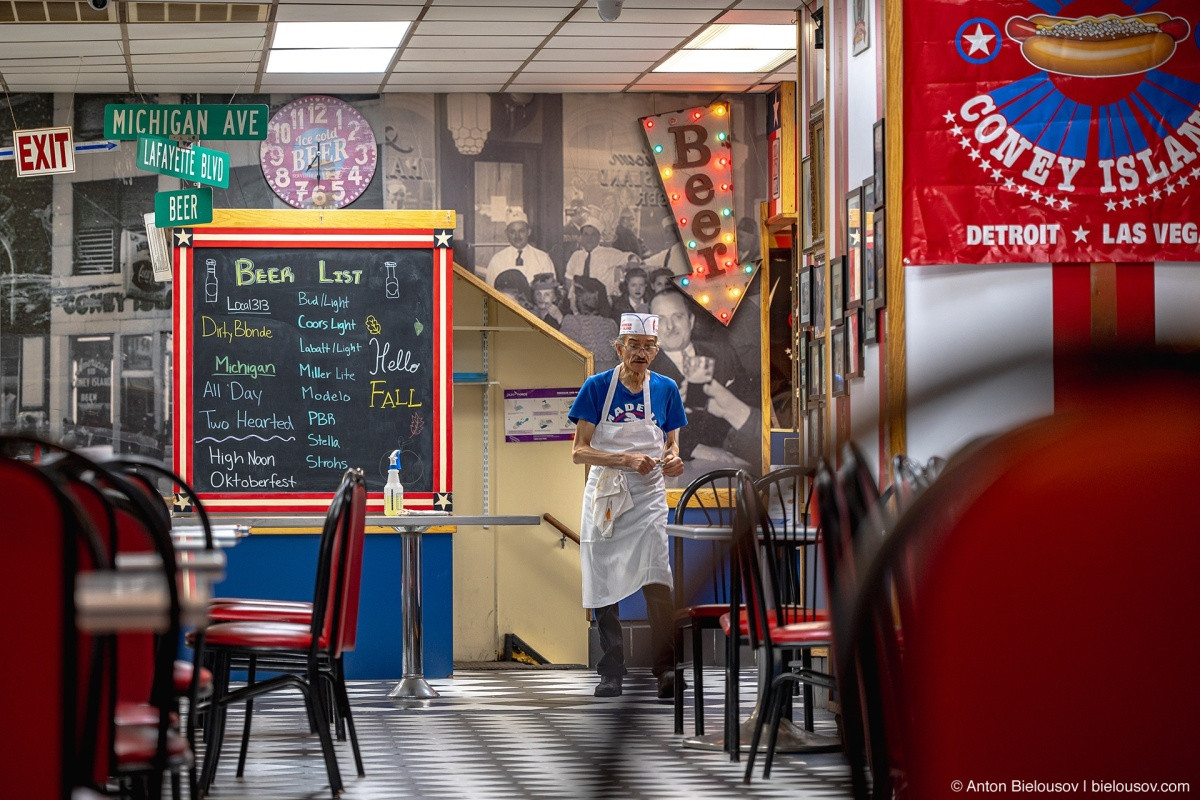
(566, 532)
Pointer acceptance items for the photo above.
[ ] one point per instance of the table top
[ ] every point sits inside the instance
(210, 562)
(708, 533)
(413, 520)
(107, 601)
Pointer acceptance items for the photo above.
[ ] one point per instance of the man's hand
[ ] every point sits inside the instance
(643, 465)
(672, 466)
(722, 403)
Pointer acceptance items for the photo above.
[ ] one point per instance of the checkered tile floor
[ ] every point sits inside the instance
(536, 734)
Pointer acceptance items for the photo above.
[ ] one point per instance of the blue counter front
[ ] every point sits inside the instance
(283, 566)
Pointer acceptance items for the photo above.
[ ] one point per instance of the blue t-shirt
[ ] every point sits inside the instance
(664, 400)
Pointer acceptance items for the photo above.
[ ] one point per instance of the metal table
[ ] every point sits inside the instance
(410, 526)
(792, 738)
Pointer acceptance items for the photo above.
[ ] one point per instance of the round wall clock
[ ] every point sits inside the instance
(319, 153)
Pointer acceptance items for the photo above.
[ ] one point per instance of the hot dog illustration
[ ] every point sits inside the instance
(1098, 47)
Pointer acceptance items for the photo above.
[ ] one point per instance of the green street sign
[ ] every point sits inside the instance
(183, 209)
(208, 121)
(193, 163)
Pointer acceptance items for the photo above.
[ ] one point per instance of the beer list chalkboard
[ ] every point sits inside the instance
(302, 351)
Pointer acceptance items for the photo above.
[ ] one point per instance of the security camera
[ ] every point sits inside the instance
(609, 9)
(98, 5)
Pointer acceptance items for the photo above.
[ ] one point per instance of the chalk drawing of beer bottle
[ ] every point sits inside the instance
(210, 280)
(391, 284)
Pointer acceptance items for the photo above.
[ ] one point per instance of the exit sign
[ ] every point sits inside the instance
(44, 151)
(183, 209)
(194, 163)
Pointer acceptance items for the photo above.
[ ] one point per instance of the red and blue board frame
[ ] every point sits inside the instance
(220, 448)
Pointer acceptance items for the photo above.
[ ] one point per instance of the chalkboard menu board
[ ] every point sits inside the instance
(308, 342)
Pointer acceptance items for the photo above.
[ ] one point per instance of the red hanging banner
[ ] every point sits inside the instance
(1048, 131)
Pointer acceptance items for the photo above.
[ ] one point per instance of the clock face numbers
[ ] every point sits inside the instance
(319, 153)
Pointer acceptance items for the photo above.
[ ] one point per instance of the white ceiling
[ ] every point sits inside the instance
(218, 46)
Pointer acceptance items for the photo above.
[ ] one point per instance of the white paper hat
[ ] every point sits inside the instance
(515, 214)
(639, 325)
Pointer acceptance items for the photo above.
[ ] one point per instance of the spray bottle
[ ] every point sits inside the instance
(393, 490)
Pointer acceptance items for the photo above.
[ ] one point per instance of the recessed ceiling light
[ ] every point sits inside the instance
(338, 34)
(328, 60)
(718, 61)
(745, 37)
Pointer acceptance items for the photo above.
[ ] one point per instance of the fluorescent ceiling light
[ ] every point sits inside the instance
(726, 61)
(330, 60)
(745, 37)
(290, 35)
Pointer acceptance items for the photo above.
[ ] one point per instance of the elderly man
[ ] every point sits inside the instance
(625, 429)
(520, 254)
(594, 260)
(726, 429)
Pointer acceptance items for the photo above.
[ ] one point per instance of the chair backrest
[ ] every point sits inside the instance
(708, 500)
(147, 472)
(1044, 560)
(47, 540)
(330, 608)
(357, 534)
(785, 498)
(749, 590)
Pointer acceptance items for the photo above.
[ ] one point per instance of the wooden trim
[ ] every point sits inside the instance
(897, 357)
(334, 218)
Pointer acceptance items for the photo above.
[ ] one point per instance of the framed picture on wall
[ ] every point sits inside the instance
(816, 370)
(868, 194)
(880, 166)
(837, 289)
(860, 31)
(800, 387)
(814, 439)
(818, 293)
(868, 256)
(854, 354)
(880, 241)
(805, 302)
(806, 203)
(854, 248)
(837, 361)
(870, 324)
(816, 181)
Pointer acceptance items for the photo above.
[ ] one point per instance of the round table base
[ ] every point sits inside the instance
(792, 739)
(414, 687)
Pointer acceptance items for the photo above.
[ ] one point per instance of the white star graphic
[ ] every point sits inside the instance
(979, 41)
(1156, 194)
(442, 239)
(1036, 195)
(956, 130)
(183, 238)
(1111, 205)
(443, 501)
(1008, 183)
(1195, 172)
(1141, 199)
(964, 142)
(996, 174)
(1050, 201)
(984, 165)
(1021, 190)
(1064, 204)
(1185, 181)
(948, 116)
(1081, 234)
(1126, 202)
(1170, 187)
(974, 154)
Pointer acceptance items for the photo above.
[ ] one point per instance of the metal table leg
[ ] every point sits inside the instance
(413, 684)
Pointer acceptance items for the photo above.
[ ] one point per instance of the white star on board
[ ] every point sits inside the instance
(964, 142)
(984, 165)
(442, 239)
(1111, 205)
(1081, 234)
(1008, 183)
(1036, 195)
(1170, 187)
(974, 154)
(1185, 180)
(1195, 172)
(442, 502)
(183, 238)
(1050, 201)
(979, 41)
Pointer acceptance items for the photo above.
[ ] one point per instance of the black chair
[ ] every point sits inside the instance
(709, 500)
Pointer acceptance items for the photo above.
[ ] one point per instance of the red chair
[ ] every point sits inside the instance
(319, 644)
(1035, 565)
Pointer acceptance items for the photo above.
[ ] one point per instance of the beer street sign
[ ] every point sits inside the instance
(194, 163)
(207, 121)
(183, 209)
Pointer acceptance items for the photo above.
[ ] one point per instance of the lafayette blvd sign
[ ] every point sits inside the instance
(195, 163)
(208, 121)
(183, 209)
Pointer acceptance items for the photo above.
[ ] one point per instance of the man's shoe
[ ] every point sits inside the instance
(610, 686)
(666, 686)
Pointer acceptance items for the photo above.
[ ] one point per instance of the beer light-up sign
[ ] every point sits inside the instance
(695, 164)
